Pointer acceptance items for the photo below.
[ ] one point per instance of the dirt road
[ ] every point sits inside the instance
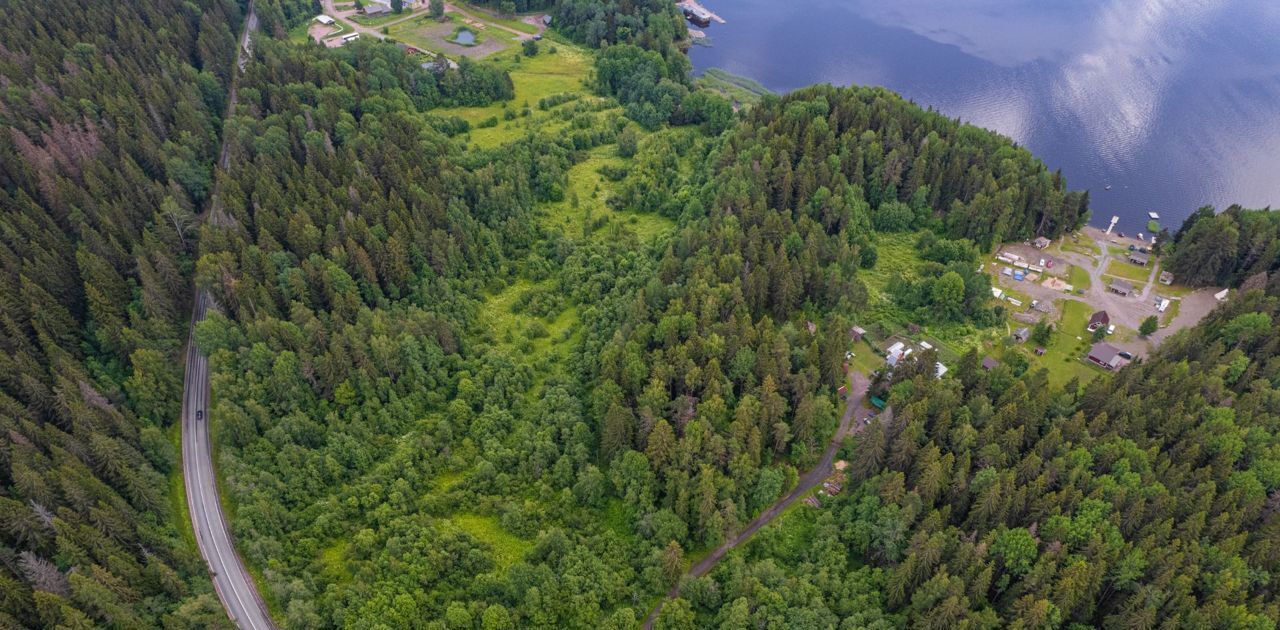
(850, 423)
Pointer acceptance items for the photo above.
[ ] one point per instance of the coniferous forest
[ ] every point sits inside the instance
(520, 373)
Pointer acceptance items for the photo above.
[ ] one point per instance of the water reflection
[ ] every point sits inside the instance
(1173, 103)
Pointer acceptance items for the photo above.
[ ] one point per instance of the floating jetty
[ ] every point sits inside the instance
(1153, 216)
(1114, 221)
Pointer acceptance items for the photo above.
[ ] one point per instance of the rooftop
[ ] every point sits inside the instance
(1105, 354)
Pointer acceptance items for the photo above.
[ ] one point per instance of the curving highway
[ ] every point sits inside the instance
(233, 583)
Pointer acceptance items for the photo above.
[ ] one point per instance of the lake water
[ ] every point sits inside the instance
(1173, 103)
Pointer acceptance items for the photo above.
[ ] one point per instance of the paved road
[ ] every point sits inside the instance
(859, 384)
(230, 579)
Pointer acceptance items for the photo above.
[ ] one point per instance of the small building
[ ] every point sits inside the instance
(374, 9)
(939, 370)
(697, 15)
(924, 345)
(811, 327)
(1162, 305)
(324, 19)
(1021, 335)
(1105, 355)
(895, 353)
(1040, 351)
(1041, 242)
(350, 37)
(1139, 258)
(857, 333)
(997, 292)
(1098, 320)
(1120, 287)
(989, 363)
(1166, 278)
(1221, 296)
(546, 19)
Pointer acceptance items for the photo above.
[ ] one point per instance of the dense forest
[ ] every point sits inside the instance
(1147, 500)
(396, 453)
(1225, 249)
(366, 412)
(109, 123)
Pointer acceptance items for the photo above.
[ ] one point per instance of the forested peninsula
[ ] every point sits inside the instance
(513, 342)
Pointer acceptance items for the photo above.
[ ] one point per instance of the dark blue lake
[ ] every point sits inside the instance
(1173, 103)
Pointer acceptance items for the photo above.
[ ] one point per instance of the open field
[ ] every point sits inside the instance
(534, 79)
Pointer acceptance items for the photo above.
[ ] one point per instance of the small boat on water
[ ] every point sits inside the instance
(1108, 187)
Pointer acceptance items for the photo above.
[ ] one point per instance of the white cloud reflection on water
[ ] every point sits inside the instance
(1175, 102)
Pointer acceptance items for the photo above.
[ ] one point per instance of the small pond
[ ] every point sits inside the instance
(464, 37)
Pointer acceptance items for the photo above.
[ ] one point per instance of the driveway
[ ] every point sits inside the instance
(850, 423)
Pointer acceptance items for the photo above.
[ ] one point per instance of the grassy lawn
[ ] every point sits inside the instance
(864, 359)
(1079, 277)
(507, 547)
(1169, 313)
(1082, 245)
(1068, 344)
(1128, 271)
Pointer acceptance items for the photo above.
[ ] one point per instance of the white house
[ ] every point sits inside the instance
(324, 19)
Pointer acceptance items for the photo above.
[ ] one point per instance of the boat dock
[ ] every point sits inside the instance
(1114, 221)
(698, 13)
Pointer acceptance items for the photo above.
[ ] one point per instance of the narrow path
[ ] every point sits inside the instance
(859, 384)
(232, 582)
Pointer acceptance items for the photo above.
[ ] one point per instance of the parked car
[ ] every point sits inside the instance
(199, 414)
(1111, 330)
(1128, 356)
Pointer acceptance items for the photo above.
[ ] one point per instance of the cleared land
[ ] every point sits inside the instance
(427, 33)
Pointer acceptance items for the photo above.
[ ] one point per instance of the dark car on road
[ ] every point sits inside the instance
(199, 414)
